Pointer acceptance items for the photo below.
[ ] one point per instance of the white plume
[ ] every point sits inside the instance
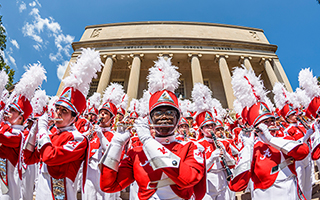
(283, 97)
(201, 96)
(30, 80)
(163, 76)
(39, 101)
(221, 112)
(247, 87)
(124, 101)
(95, 100)
(183, 105)
(143, 108)
(5, 96)
(309, 83)
(82, 72)
(52, 102)
(302, 97)
(3, 81)
(134, 105)
(237, 107)
(113, 93)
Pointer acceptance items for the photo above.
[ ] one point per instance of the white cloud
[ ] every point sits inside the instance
(8, 58)
(62, 69)
(52, 28)
(12, 60)
(37, 47)
(15, 43)
(34, 3)
(22, 6)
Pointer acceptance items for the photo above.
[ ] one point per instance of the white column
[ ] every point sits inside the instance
(196, 69)
(271, 75)
(226, 79)
(106, 74)
(133, 83)
(247, 63)
(278, 69)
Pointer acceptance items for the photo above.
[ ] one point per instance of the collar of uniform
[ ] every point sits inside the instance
(18, 127)
(165, 140)
(105, 129)
(67, 128)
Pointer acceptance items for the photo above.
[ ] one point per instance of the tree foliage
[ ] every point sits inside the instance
(3, 65)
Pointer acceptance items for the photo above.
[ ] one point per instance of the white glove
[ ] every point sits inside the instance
(103, 140)
(43, 123)
(142, 128)
(43, 135)
(247, 138)
(121, 138)
(31, 139)
(265, 134)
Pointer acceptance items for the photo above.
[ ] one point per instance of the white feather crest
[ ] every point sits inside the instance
(3, 80)
(163, 76)
(247, 87)
(52, 102)
(309, 83)
(113, 93)
(269, 103)
(95, 100)
(283, 97)
(183, 105)
(39, 101)
(280, 95)
(134, 105)
(124, 101)
(221, 112)
(302, 97)
(143, 108)
(237, 107)
(5, 96)
(82, 72)
(201, 96)
(30, 80)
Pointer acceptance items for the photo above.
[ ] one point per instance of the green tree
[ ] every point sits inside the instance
(3, 65)
(318, 76)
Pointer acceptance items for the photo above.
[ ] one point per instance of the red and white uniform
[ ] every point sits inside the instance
(92, 189)
(83, 125)
(61, 157)
(11, 138)
(303, 167)
(29, 173)
(266, 185)
(216, 175)
(137, 167)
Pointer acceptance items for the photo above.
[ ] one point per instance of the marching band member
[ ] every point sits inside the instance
(11, 135)
(39, 106)
(163, 167)
(63, 151)
(183, 130)
(216, 151)
(93, 104)
(267, 160)
(288, 105)
(101, 137)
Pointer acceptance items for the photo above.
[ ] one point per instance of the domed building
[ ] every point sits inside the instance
(204, 52)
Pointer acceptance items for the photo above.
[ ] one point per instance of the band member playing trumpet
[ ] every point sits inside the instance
(163, 167)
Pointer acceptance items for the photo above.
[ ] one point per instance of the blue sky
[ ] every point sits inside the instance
(39, 30)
